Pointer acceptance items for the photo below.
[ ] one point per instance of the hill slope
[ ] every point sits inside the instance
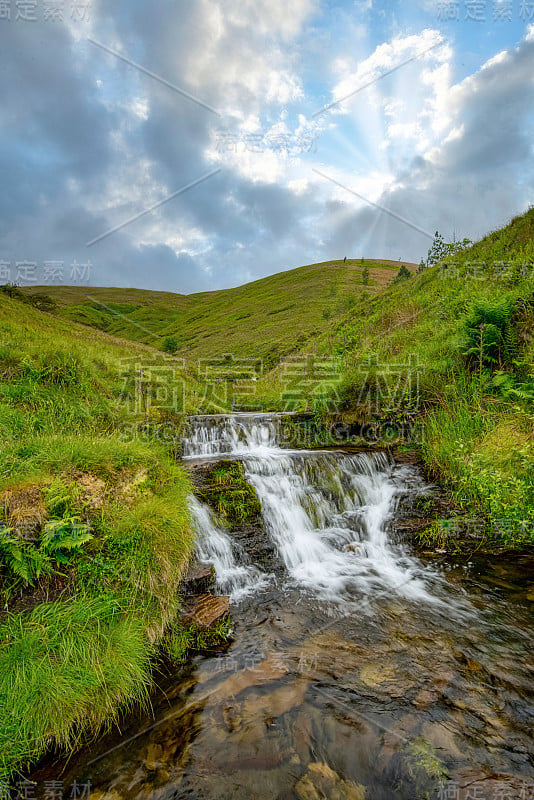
(94, 528)
(445, 361)
(257, 320)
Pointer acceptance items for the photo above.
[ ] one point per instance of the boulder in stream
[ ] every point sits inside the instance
(206, 610)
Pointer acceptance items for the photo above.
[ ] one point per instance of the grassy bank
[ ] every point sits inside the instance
(94, 522)
(94, 529)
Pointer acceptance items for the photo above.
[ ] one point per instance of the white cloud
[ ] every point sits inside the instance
(414, 142)
(243, 55)
(354, 74)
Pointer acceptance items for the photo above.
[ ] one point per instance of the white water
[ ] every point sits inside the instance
(214, 546)
(220, 435)
(327, 514)
(329, 527)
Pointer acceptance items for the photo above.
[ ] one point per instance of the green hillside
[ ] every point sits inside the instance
(265, 319)
(515, 240)
(94, 523)
(446, 356)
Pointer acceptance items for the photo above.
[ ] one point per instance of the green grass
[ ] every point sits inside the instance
(94, 517)
(414, 352)
(66, 668)
(88, 444)
(230, 494)
(182, 640)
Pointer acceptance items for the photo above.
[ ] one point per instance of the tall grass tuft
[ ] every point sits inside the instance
(66, 669)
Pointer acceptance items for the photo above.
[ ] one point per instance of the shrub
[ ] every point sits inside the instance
(170, 344)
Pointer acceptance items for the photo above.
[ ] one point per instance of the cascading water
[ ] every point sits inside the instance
(214, 546)
(327, 514)
(221, 435)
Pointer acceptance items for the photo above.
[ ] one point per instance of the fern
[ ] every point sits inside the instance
(61, 538)
(23, 559)
(523, 392)
(509, 343)
(490, 338)
(59, 499)
(26, 562)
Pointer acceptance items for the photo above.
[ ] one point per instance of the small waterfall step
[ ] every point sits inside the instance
(232, 434)
(214, 546)
(327, 513)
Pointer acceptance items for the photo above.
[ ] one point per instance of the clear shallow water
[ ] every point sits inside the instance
(352, 656)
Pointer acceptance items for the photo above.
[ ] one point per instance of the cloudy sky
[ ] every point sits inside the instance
(198, 144)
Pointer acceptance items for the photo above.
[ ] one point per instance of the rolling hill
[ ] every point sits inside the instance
(257, 320)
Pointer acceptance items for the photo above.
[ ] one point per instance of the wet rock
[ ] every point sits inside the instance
(245, 784)
(153, 756)
(424, 698)
(200, 577)
(258, 546)
(232, 717)
(346, 740)
(251, 747)
(473, 783)
(302, 730)
(392, 741)
(442, 680)
(321, 783)
(473, 666)
(327, 653)
(275, 703)
(102, 794)
(440, 737)
(206, 610)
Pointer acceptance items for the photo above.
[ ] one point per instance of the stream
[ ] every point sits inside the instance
(358, 670)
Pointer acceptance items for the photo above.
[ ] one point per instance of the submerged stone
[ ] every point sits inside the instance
(270, 669)
(321, 783)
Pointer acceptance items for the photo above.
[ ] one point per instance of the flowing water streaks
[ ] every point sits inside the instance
(327, 513)
(214, 545)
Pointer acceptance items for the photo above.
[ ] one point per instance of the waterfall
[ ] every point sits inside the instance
(328, 517)
(214, 546)
(220, 435)
(326, 513)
